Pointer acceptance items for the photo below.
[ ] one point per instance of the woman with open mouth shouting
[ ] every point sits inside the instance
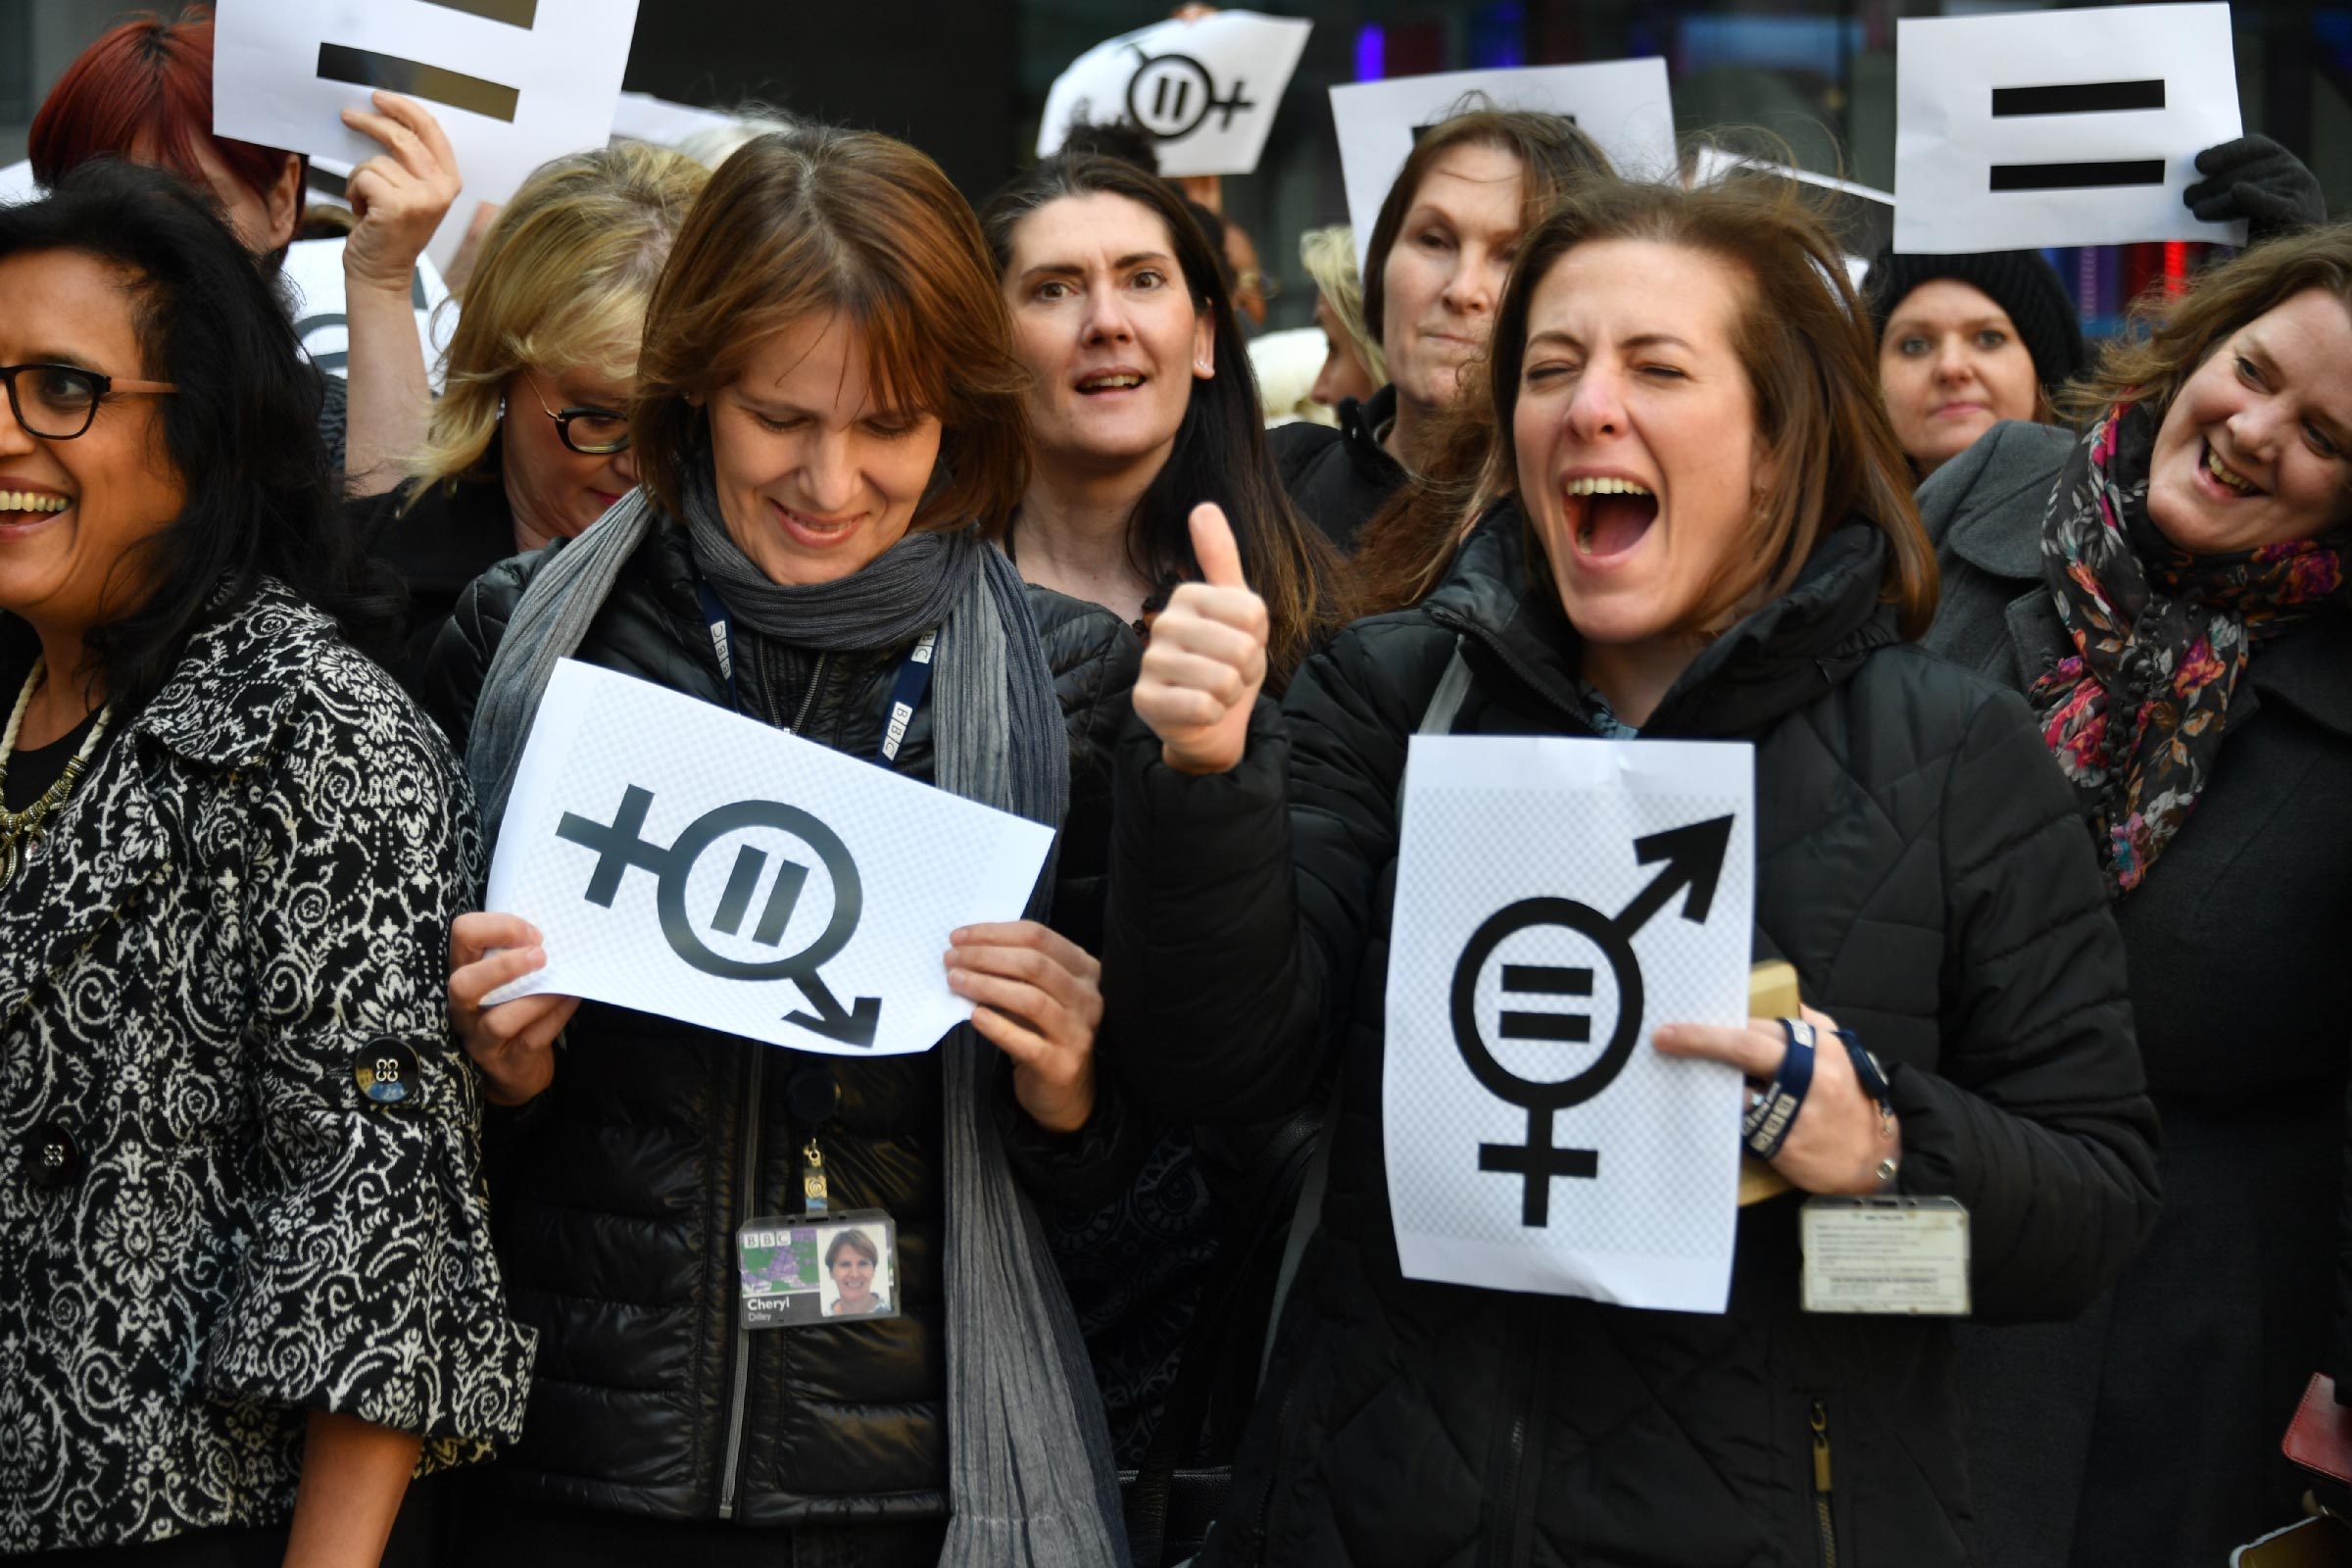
(1709, 534)
(2167, 588)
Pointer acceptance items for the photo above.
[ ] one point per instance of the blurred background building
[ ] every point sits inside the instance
(966, 80)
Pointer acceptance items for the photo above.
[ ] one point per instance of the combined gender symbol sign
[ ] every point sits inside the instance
(1171, 94)
(1693, 857)
(620, 845)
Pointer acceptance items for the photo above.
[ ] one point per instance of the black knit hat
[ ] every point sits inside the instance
(2021, 282)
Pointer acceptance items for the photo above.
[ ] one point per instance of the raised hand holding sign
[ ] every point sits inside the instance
(1207, 658)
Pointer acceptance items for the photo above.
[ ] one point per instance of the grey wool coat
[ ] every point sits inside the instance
(2147, 1431)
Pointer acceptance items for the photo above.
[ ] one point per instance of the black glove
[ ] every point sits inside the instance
(2255, 179)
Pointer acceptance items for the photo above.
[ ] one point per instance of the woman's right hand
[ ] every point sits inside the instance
(1207, 658)
(513, 1043)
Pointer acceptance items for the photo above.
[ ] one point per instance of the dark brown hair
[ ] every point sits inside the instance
(1220, 450)
(1804, 344)
(1554, 156)
(816, 220)
(2170, 336)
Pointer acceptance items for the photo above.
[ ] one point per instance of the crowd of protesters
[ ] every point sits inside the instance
(315, 1251)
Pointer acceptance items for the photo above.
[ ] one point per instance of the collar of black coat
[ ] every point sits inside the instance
(1361, 426)
(1784, 654)
(451, 535)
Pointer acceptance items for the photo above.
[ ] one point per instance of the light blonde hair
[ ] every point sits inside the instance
(1328, 257)
(561, 285)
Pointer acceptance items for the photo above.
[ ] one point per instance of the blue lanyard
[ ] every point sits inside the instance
(907, 688)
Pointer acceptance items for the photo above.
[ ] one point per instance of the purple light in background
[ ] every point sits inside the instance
(1371, 52)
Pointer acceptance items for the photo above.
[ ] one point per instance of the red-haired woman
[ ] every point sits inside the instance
(144, 92)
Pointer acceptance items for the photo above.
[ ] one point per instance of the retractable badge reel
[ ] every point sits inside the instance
(1885, 1254)
(818, 1267)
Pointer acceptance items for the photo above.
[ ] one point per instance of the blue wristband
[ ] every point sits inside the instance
(1766, 1126)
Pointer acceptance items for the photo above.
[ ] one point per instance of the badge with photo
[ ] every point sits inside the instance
(800, 1272)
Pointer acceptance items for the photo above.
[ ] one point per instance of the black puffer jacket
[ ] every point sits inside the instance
(1919, 862)
(1339, 479)
(615, 1195)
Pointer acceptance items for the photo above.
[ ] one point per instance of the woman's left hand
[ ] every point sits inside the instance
(400, 196)
(1040, 1001)
(1835, 1143)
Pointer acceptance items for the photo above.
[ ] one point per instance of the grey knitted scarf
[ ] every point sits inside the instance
(1031, 1478)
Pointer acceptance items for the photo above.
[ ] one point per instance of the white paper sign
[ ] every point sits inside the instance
(641, 116)
(315, 269)
(1204, 90)
(1623, 105)
(1861, 216)
(1557, 899)
(2059, 127)
(689, 862)
(17, 184)
(514, 82)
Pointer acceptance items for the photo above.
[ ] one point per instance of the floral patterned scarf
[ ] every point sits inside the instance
(2161, 637)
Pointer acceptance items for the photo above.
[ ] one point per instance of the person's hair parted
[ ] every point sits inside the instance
(820, 223)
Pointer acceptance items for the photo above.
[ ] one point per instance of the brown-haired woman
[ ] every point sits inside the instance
(2167, 589)
(1434, 268)
(826, 402)
(1718, 542)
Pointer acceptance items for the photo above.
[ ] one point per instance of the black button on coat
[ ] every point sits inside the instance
(1917, 861)
(617, 1194)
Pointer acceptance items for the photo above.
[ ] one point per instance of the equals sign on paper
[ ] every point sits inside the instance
(1546, 980)
(2078, 98)
(371, 68)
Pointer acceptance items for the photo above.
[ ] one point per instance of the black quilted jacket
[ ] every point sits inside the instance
(1919, 862)
(614, 1195)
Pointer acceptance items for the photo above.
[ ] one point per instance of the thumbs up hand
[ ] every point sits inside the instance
(1207, 658)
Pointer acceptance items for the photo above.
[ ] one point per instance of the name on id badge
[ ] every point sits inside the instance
(796, 1272)
(1893, 1255)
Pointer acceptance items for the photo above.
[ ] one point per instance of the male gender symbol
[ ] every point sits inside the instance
(1693, 857)
(621, 846)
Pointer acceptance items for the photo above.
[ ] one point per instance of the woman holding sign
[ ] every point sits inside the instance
(826, 401)
(144, 92)
(246, 1282)
(1716, 540)
(1433, 269)
(2168, 590)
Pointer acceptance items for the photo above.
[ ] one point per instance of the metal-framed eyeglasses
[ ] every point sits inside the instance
(57, 402)
(591, 432)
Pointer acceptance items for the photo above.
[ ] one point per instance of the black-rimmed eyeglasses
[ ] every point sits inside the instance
(57, 402)
(591, 432)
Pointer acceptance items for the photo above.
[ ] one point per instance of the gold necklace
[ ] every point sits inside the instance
(18, 829)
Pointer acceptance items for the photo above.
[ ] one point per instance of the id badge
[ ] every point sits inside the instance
(797, 1272)
(1893, 1255)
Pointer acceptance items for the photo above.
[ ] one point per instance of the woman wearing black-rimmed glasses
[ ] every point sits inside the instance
(529, 441)
(246, 1284)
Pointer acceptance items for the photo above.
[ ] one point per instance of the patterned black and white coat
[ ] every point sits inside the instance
(209, 1225)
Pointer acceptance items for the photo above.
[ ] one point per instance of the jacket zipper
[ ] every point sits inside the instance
(746, 1208)
(1824, 1527)
(1510, 1504)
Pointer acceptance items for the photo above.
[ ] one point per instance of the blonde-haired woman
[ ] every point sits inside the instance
(1353, 365)
(530, 438)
